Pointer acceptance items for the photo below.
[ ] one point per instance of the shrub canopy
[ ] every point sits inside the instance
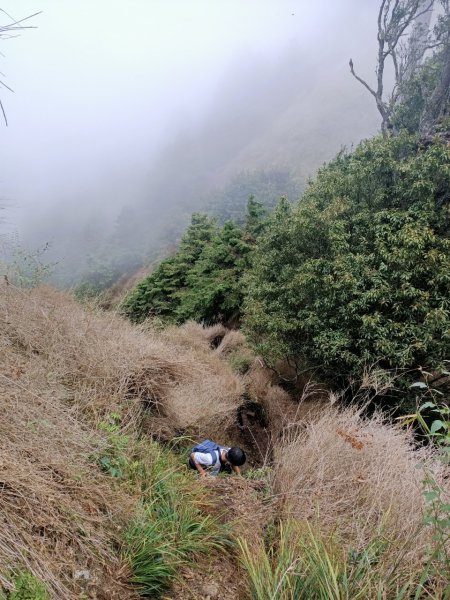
(358, 272)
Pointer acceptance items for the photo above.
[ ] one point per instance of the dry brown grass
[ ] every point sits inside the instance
(59, 513)
(358, 478)
(284, 413)
(231, 341)
(65, 368)
(101, 364)
(206, 400)
(194, 334)
(96, 360)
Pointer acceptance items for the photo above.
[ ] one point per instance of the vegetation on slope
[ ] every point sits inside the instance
(357, 273)
(98, 413)
(202, 280)
(83, 392)
(76, 390)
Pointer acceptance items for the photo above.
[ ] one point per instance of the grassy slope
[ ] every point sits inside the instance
(64, 372)
(81, 391)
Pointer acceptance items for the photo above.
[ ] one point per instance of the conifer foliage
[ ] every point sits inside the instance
(202, 281)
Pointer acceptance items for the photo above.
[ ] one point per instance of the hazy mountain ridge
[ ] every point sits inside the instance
(284, 115)
(246, 132)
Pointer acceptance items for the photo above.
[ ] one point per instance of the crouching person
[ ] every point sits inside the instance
(211, 458)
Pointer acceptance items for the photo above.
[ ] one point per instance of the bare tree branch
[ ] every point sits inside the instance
(395, 18)
(4, 114)
(6, 86)
(366, 85)
(5, 33)
(16, 25)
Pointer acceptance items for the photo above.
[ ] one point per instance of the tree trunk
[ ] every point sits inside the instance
(439, 97)
(418, 41)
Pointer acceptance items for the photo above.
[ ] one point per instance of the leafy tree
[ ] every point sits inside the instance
(358, 273)
(417, 90)
(213, 284)
(254, 220)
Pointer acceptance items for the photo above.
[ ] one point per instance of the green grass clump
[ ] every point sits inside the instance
(26, 587)
(239, 362)
(301, 564)
(171, 527)
(114, 457)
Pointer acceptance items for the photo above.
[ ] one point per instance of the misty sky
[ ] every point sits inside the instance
(102, 88)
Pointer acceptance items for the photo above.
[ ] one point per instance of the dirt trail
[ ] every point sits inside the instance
(244, 505)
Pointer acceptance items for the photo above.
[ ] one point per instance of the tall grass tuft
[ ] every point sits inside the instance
(273, 573)
(363, 476)
(170, 528)
(302, 564)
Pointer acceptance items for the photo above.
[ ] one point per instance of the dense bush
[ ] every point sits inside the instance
(159, 294)
(358, 273)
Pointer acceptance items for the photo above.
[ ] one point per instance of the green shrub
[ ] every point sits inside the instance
(239, 362)
(259, 474)
(202, 280)
(160, 294)
(170, 527)
(433, 417)
(357, 274)
(23, 268)
(113, 458)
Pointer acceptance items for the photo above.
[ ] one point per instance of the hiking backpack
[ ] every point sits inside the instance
(208, 447)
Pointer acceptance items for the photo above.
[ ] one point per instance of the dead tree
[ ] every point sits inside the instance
(395, 19)
(10, 30)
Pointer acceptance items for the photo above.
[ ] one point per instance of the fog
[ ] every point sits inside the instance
(127, 116)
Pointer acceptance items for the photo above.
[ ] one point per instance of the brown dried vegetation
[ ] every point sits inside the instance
(63, 370)
(358, 478)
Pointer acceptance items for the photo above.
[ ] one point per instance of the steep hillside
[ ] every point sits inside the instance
(297, 140)
(97, 503)
(67, 375)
